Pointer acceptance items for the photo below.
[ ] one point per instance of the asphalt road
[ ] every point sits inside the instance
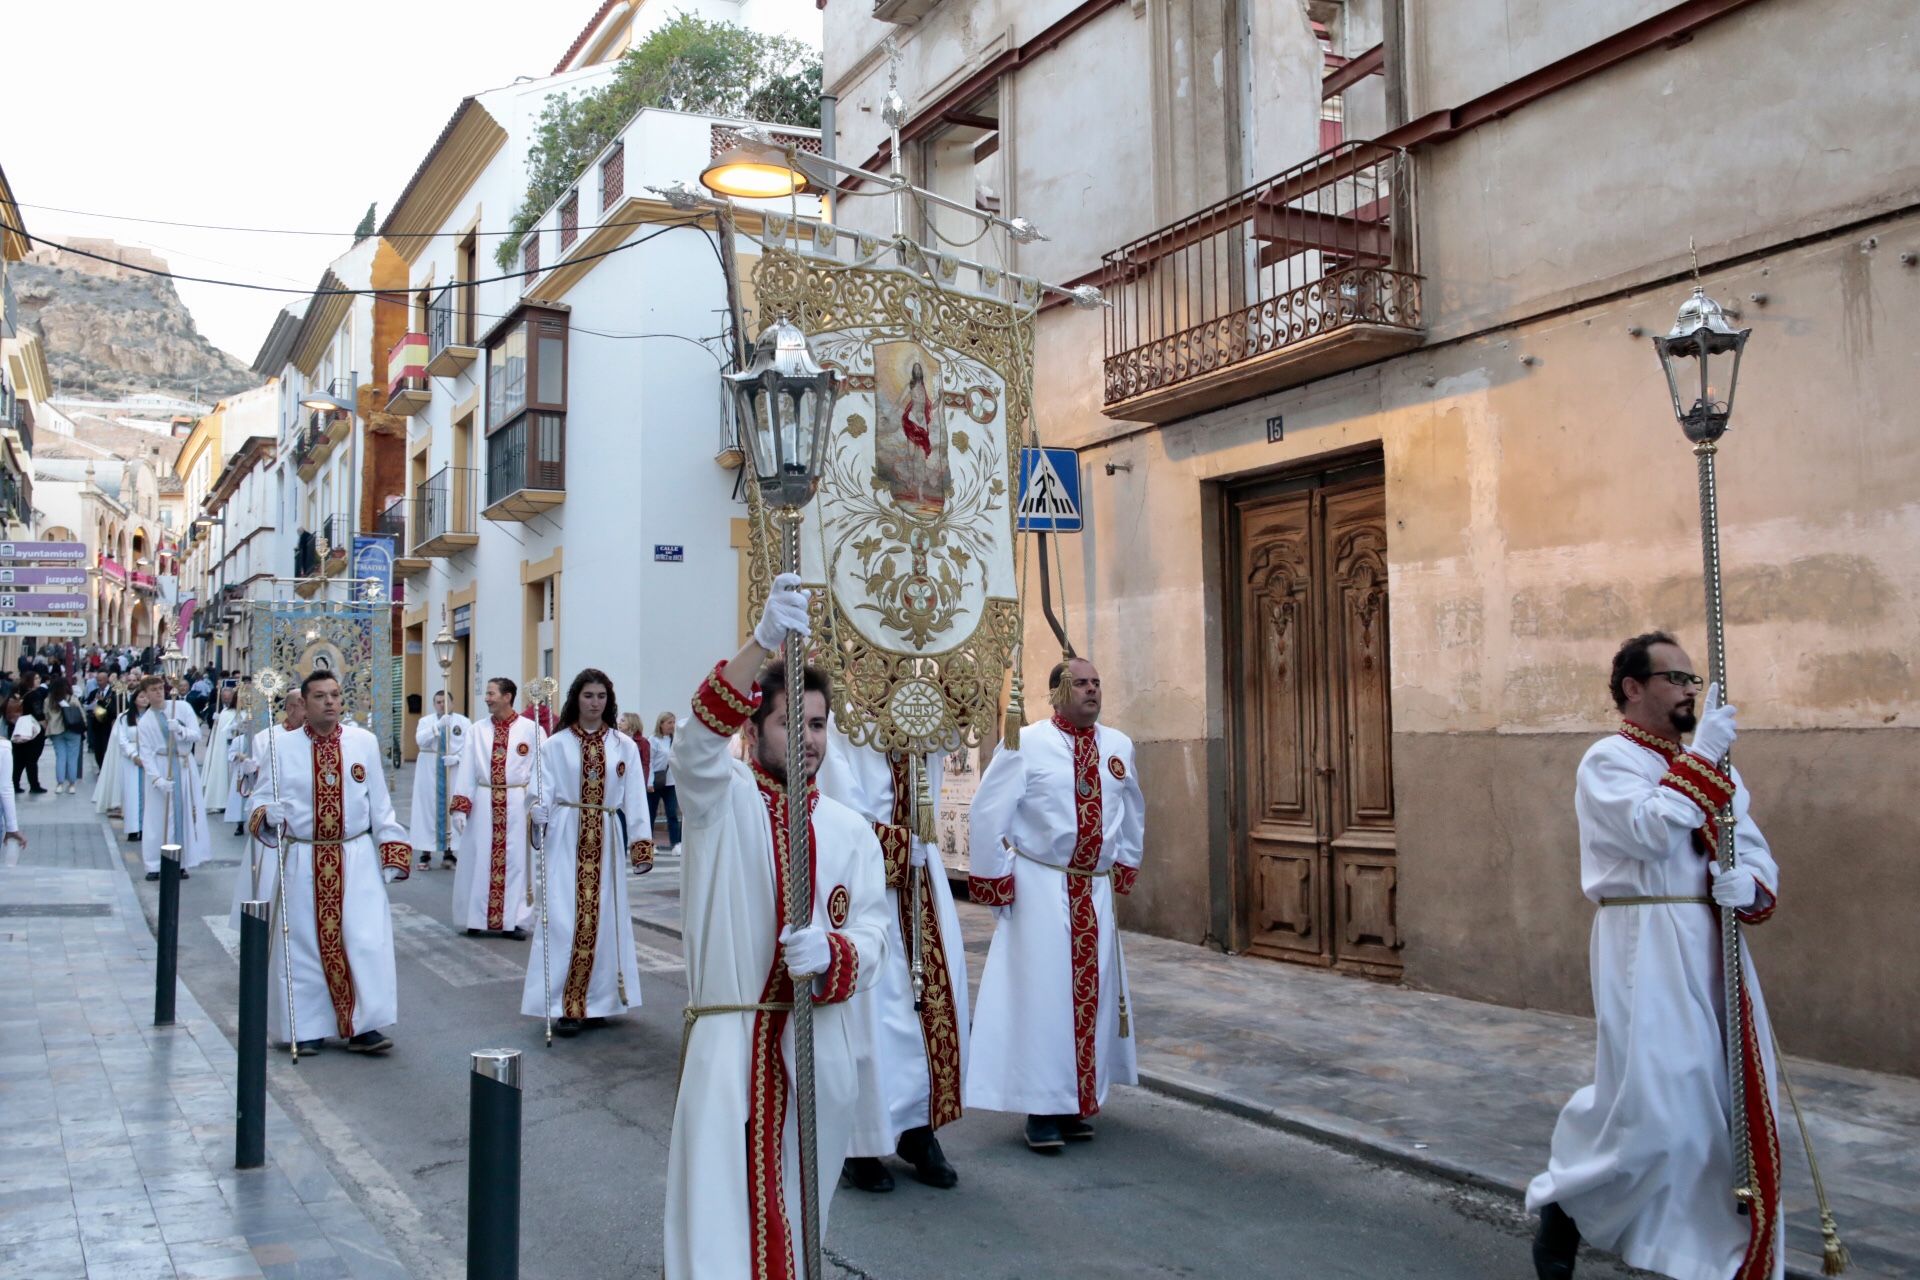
(1167, 1189)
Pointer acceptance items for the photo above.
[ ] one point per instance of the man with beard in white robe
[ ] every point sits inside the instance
(256, 879)
(1056, 830)
(733, 1206)
(912, 1075)
(343, 845)
(1642, 1161)
(442, 739)
(178, 815)
(491, 891)
(590, 812)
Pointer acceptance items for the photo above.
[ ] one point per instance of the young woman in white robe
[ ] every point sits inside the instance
(591, 807)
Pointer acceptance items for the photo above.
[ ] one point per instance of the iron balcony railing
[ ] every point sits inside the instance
(445, 313)
(528, 453)
(306, 555)
(446, 504)
(335, 532)
(1325, 245)
(392, 523)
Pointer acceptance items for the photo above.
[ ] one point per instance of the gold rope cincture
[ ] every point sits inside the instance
(1119, 957)
(694, 1012)
(1834, 1256)
(1655, 900)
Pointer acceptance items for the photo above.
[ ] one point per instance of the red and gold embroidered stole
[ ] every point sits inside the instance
(586, 871)
(939, 1017)
(329, 878)
(1712, 792)
(1083, 919)
(497, 856)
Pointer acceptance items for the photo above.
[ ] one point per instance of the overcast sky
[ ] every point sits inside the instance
(247, 114)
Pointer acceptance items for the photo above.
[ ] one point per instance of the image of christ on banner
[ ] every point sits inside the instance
(910, 440)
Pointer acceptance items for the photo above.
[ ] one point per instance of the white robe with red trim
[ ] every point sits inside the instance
(491, 889)
(1046, 1025)
(341, 932)
(733, 1173)
(1641, 1158)
(915, 1063)
(592, 972)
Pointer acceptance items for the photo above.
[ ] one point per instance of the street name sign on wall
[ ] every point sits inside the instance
(669, 554)
(31, 625)
(11, 577)
(1049, 491)
(31, 600)
(65, 552)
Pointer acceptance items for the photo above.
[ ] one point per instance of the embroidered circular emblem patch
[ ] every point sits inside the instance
(620, 769)
(523, 748)
(359, 773)
(838, 904)
(1116, 767)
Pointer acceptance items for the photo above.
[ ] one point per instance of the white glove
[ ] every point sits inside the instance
(916, 853)
(785, 610)
(1736, 888)
(276, 814)
(540, 813)
(805, 951)
(457, 824)
(389, 874)
(1713, 736)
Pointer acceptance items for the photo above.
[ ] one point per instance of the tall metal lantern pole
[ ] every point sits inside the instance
(1701, 359)
(785, 401)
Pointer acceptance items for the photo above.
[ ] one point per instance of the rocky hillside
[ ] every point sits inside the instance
(110, 331)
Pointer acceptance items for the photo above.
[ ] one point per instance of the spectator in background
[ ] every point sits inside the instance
(27, 751)
(24, 732)
(67, 729)
(661, 797)
(634, 727)
(105, 703)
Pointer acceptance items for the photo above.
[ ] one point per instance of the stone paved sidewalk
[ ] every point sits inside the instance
(116, 1152)
(1451, 1087)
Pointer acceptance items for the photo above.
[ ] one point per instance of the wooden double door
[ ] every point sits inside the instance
(1312, 722)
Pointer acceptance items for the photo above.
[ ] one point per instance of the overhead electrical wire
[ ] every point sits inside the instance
(288, 231)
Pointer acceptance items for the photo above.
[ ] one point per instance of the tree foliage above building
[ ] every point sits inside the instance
(689, 64)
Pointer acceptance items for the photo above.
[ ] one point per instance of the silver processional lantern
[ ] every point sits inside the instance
(785, 400)
(1702, 335)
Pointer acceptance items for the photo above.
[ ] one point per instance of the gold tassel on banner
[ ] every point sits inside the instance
(1834, 1256)
(1016, 706)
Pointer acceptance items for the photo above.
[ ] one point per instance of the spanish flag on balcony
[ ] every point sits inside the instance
(408, 359)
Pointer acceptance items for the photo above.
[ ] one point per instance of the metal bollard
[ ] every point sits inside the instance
(166, 965)
(250, 1119)
(493, 1166)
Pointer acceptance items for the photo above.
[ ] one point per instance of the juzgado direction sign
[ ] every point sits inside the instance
(30, 600)
(10, 577)
(68, 552)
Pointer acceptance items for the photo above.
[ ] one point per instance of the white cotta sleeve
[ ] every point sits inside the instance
(1628, 815)
(1751, 848)
(1133, 820)
(426, 734)
(187, 725)
(387, 827)
(989, 819)
(702, 768)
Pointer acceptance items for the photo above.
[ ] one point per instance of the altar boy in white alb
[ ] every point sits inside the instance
(1642, 1161)
(180, 811)
(491, 890)
(733, 1167)
(344, 844)
(442, 739)
(1056, 830)
(590, 804)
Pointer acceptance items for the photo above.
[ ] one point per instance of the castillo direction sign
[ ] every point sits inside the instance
(66, 552)
(34, 625)
(11, 577)
(12, 600)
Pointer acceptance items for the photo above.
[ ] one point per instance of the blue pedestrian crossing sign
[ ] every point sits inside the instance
(1049, 491)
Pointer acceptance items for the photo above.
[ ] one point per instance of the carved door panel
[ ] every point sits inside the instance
(1312, 722)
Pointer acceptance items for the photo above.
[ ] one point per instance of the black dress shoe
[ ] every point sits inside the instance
(566, 1026)
(1043, 1135)
(1074, 1129)
(426, 862)
(919, 1148)
(239, 828)
(518, 935)
(448, 860)
(866, 1173)
(370, 1042)
(1555, 1245)
(185, 874)
(595, 1022)
(133, 837)
(476, 933)
(312, 1046)
(152, 876)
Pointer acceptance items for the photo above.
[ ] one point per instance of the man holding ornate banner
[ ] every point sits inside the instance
(491, 892)
(733, 1207)
(919, 1039)
(1057, 829)
(1642, 1163)
(326, 796)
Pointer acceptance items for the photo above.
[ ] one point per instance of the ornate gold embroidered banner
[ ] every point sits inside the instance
(909, 546)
